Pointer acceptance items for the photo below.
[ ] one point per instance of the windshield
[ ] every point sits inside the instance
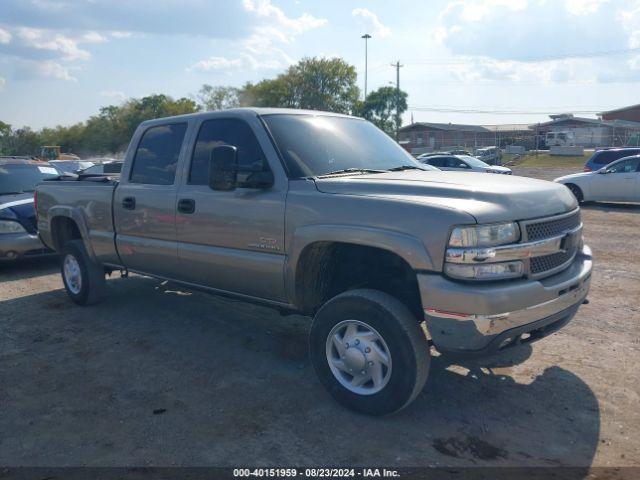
(473, 161)
(19, 178)
(316, 145)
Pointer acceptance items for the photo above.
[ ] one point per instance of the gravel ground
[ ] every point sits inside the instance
(157, 375)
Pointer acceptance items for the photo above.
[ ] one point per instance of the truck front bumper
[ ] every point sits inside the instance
(14, 246)
(480, 319)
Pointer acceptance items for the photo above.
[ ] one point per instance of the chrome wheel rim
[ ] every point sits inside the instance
(72, 274)
(358, 357)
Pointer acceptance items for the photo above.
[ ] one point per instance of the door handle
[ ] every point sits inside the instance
(186, 205)
(129, 203)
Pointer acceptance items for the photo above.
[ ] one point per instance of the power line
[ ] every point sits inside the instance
(496, 112)
(466, 60)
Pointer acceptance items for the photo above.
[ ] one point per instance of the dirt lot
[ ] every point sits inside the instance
(156, 375)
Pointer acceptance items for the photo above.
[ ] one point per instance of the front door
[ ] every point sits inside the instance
(145, 202)
(619, 183)
(231, 241)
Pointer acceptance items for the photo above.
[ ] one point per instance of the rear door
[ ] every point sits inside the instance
(145, 202)
(620, 183)
(233, 241)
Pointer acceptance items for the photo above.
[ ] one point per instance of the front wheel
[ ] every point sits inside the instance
(369, 351)
(577, 192)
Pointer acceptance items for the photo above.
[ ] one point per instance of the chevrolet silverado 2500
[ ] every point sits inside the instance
(325, 215)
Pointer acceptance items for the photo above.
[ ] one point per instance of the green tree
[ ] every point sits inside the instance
(217, 98)
(312, 83)
(380, 108)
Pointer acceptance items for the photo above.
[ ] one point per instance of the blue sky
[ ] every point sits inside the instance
(61, 60)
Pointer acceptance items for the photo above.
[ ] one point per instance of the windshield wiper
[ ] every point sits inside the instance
(352, 170)
(405, 167)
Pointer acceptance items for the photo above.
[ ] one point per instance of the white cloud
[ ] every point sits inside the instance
(117, 94)
(5, 37)
(371, 22)
(120, 34)
(215, 64)
(3, 82)
(39, 39)
(262, 48)
(584, 7)
(94, 37)
(478, 10)
(293, 26)
(51, 69)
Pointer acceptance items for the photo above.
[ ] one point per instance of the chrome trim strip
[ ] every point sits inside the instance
(489, 325)
(519, 251)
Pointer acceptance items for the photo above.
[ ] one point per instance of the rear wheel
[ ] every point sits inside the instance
(577, 192)
(83, 279)
(369, 351)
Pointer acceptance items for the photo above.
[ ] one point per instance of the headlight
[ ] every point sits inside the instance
(9, 226)
(488, 271)
(485, 235)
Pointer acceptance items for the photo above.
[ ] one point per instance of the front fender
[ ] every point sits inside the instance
(409, 248)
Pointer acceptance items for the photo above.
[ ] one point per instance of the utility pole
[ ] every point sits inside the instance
(366, 37)
(397, 67)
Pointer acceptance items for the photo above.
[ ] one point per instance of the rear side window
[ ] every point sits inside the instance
(156, 157)
(438, 162)
(227, 131)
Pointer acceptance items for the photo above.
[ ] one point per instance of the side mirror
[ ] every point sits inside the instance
(223, 168)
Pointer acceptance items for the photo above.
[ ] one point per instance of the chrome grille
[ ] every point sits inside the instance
(552, 228)
(549, 262)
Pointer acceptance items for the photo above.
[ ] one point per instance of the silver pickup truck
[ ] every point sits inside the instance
(325, 215)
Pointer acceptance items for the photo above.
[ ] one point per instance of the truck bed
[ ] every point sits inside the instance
(88, 200)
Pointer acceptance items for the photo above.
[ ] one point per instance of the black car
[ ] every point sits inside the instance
(18, 224)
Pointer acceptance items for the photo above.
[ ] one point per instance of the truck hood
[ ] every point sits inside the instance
(489, 198)
(19, 207)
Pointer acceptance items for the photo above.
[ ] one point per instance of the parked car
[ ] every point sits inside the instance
(69, 166)
(616, 182)
(461, 152)
(107, 168)
(18, 226)
(601, 158)
(464, 163)
(325, 215)
(490, 155)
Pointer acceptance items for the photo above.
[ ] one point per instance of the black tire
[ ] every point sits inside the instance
(91, 287)
(577, 192)
(400, 331)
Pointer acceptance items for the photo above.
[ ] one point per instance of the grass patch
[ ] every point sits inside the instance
(544, 160)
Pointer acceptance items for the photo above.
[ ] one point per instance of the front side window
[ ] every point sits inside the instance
(625, 166)
(227, 131)
(453, 162)
(475, 162)
(156, 158)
